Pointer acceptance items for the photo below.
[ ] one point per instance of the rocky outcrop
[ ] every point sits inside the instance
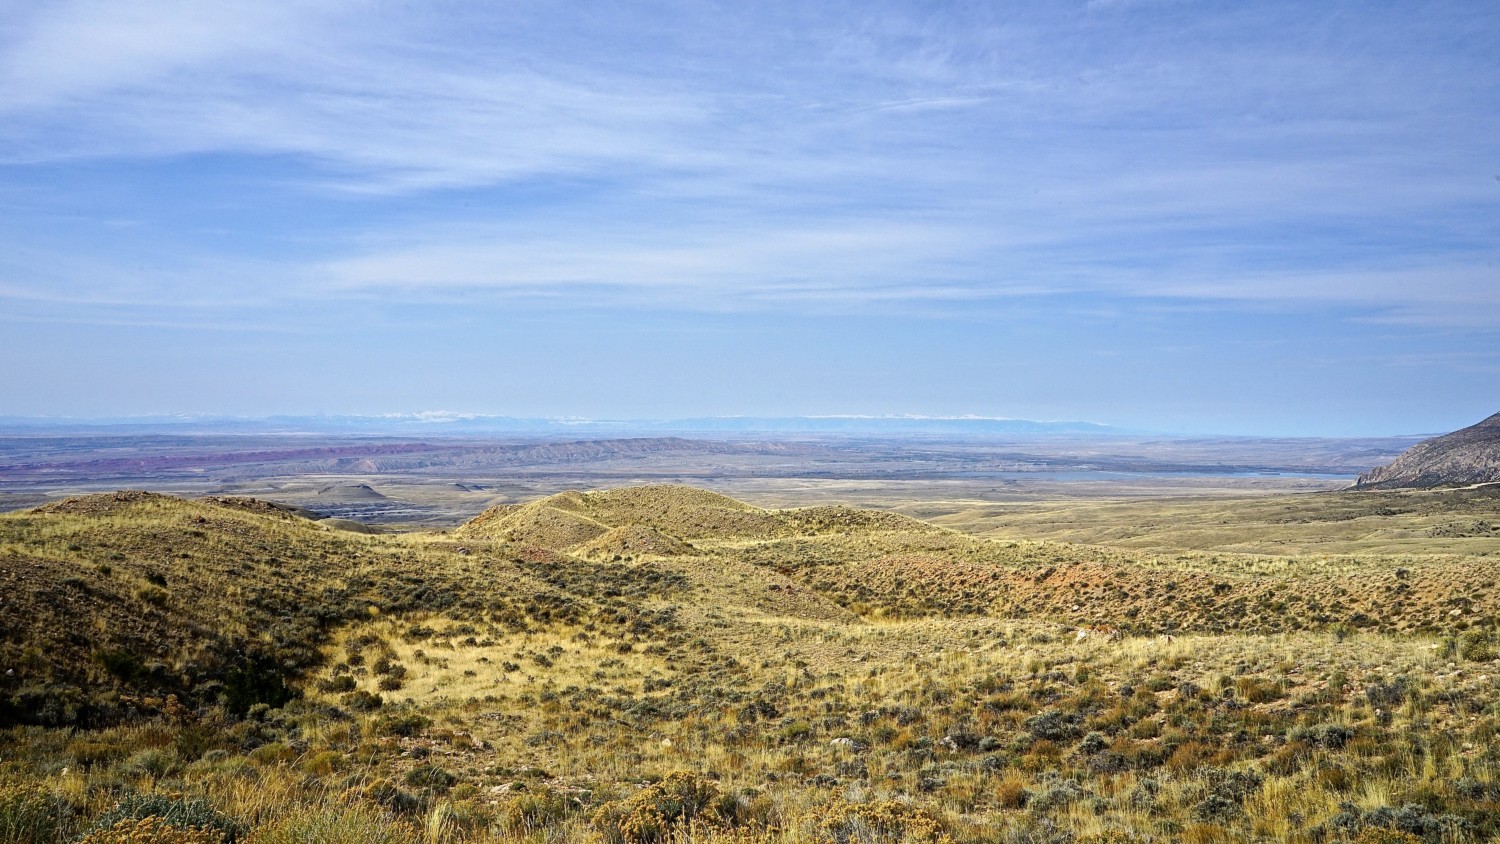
(1462, 458)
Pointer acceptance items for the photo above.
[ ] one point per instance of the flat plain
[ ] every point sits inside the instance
(440, 481)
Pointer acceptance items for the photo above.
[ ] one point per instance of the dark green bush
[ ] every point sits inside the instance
(430, 777)
(402, 723)
(363, 701)
(392, 797)
(255, 682)
(1478, 645)
(1051, 725)
(338, 685)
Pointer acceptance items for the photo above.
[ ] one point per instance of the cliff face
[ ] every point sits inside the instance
(1469, 456)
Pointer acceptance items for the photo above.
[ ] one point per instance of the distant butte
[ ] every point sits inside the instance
(1462, 458)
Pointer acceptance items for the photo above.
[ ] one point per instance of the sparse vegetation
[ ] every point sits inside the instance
(744, 676)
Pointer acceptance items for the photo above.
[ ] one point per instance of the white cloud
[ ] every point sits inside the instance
(725, 263)
(102, 80)
(782, 153)
(68, 53)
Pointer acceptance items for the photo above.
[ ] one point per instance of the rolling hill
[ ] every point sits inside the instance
(572, 518)
(664, 663)
(191, 597)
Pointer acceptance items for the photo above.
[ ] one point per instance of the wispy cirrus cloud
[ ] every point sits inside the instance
(314, 80)
(1042, 164)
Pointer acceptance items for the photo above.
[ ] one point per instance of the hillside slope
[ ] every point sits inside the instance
(571, 519)
(825, 675)
(112, 602)
(1464, 457)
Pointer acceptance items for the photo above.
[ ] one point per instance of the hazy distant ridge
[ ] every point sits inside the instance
(456, 423)
(880, 425)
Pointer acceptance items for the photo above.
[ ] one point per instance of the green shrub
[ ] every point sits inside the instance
(274, 753)
(46, 704)
(178, 812)
(193, 741)
(407, 723)
(796, 731)
(363, 701)
(1478, 646)
(153, 595)
(391, 796)
(121, 664)
(430, 777)
(1258, 689)
(1051, 725)
(153, 761)
(255, 683)
(324, 763)
(338, 685)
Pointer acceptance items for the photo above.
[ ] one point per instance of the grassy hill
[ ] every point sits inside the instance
(572, 518)
(112, 598)
(663, 663)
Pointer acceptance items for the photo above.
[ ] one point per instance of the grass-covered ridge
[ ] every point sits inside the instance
(115, 600)
(702, 670)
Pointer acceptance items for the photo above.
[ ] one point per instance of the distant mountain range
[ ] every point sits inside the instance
(467, 424)
(1462, 458)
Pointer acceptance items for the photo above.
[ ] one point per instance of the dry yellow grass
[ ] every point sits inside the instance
(907, 682)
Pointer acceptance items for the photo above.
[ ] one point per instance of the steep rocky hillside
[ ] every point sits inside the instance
(1468, 456)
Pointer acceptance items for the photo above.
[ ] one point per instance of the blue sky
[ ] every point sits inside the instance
(1232, 217)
